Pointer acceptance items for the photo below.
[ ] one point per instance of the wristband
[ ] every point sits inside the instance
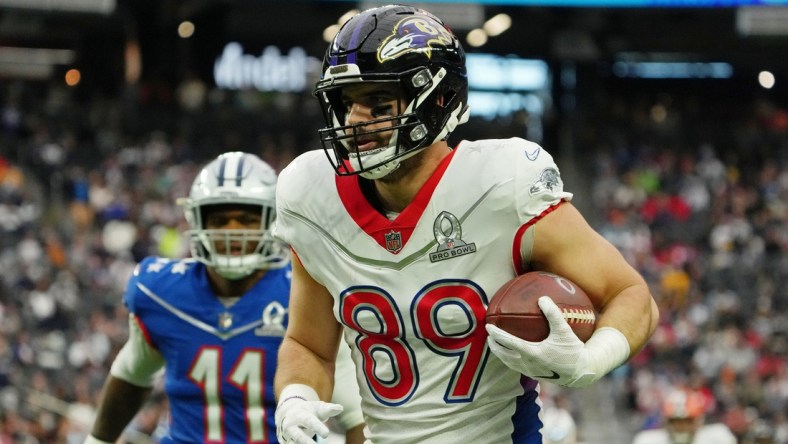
(90, 439)
(297, 391)
(607, 349)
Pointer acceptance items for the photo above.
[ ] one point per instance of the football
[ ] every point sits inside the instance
(514, 306)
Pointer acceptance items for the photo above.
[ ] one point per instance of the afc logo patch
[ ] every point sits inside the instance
(549, 180)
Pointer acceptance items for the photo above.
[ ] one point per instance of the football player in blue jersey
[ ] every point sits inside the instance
(214, 322)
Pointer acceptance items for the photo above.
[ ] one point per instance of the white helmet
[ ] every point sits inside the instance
(234, 178)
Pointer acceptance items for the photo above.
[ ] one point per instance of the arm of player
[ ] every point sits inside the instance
(131, 377)
(347, 395)
(305, 369)
(564, 244)
(120, 401)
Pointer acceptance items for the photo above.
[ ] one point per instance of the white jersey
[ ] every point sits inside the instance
(412, 292)
(708, 434)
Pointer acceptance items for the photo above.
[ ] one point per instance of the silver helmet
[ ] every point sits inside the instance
(234, 178)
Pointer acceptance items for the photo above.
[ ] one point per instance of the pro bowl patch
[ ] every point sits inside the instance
(448, 235)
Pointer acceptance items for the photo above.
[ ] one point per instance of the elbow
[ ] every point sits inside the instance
(654, 317)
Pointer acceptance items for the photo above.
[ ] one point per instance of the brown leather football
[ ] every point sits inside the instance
(514, 306)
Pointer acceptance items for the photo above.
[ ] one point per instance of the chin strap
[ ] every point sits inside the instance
(457, 117)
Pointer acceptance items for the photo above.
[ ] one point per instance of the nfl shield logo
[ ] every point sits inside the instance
(225, 320)
(393, 241)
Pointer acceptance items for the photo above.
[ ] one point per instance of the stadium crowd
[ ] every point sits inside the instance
(697, 201)
(697, 198)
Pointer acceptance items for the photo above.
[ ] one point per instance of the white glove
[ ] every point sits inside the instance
(301, 414)
(562, 357)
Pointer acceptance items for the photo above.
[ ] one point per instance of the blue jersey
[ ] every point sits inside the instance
(220, 361)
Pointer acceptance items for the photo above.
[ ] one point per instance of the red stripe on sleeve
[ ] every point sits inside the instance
(516, 259)
(144, 330)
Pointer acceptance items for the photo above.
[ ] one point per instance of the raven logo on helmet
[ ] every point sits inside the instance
(414, 34)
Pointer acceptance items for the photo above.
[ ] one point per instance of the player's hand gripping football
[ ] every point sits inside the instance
(561, 358)
(300, 415)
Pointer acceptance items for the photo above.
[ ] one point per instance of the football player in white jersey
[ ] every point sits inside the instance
(683, 412)
(400, 241)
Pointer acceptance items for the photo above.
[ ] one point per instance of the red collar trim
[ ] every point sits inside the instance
(389, 234)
